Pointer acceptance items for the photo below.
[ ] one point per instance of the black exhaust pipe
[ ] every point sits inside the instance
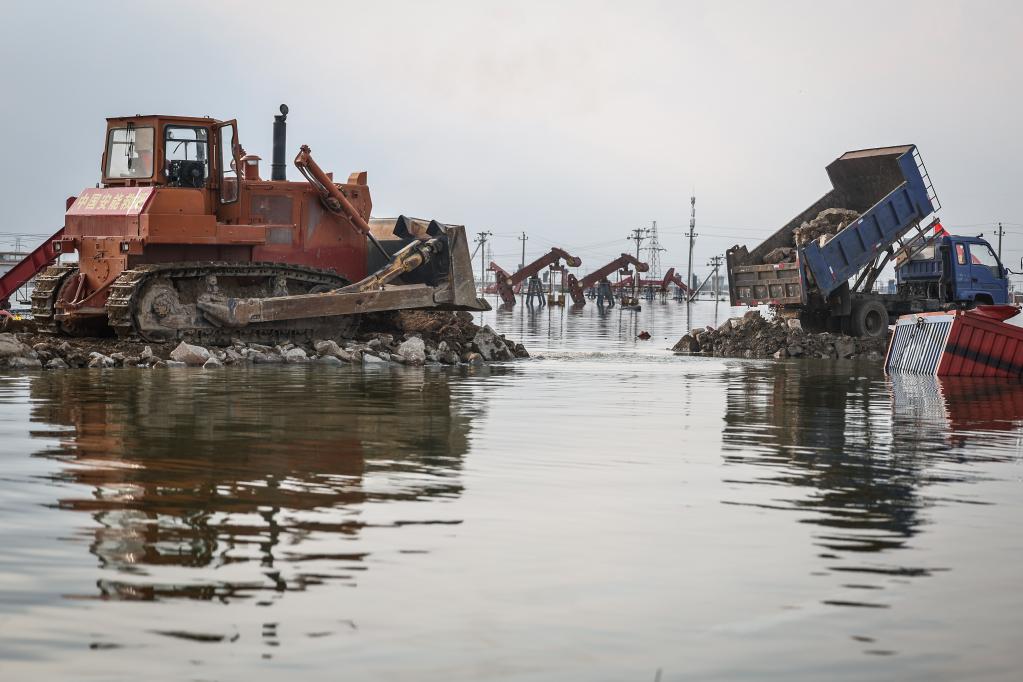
(279, 167)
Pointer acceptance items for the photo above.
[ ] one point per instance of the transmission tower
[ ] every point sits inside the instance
(654, 249)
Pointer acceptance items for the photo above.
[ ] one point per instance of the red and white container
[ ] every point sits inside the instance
(958, 343)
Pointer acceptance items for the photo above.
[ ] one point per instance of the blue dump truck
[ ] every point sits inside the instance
(877, 206)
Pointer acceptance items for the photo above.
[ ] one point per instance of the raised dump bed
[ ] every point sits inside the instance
(887, 186)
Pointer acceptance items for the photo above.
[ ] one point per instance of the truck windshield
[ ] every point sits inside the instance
(130, 152)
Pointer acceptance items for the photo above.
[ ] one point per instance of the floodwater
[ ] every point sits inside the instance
(608, 511)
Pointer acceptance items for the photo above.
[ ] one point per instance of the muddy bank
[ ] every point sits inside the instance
(405, 337)
(754, 336)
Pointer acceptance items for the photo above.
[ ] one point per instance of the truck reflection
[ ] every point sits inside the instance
(958, 406)
(190, 476)
(855, 454)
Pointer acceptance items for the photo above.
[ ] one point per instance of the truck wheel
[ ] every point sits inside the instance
(869, 319)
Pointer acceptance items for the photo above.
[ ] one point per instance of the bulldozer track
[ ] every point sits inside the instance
(44, 296)
(122, 303)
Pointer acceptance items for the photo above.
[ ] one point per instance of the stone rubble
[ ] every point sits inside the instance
(412, 338)
(828, 223)
(754, 336)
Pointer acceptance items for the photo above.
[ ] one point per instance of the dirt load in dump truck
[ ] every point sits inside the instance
(183, 238)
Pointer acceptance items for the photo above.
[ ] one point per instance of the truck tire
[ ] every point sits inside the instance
(869, 319)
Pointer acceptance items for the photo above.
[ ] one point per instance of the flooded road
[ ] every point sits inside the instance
(604, 511)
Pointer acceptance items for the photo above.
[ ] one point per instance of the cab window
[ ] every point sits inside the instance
(983, 255)
(130, 152)
(186, 156)
(960, 254)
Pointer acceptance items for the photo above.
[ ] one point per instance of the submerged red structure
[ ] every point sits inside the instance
(577, 287)
(506, 284)
(958, 343)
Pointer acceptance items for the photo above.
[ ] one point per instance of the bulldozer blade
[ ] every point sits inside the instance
(456, 291)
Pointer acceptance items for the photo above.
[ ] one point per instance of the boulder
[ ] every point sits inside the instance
(172, 363)
(687, 344)
(212, 363)
(329, 360)
(100, 360)
(193, 356)
(413, 351)
(24, 362)
(10, 347)
(474, 359)
(232, 356)
(370, 359)
(57, 363)
(328, 347)
(295, 356)
(845, 347)
(489, 345)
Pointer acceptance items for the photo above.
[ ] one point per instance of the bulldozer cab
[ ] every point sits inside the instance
(186, 152)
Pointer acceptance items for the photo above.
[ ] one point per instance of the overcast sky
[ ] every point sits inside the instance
(573, 121)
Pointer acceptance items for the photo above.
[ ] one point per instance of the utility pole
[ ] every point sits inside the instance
(523, 238)
(1000, 233)
(715, 262)
(691, 234)
(481, 239)
(638, 235)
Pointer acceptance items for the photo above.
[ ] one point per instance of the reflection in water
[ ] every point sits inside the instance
(854, 454)
(193, 475)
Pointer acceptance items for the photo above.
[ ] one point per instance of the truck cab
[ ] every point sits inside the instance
(954, 269)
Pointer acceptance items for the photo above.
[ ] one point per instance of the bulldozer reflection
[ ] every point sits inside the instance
(856, 452)
(190, 475)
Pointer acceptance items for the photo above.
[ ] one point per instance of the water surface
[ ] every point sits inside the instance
(605, 512)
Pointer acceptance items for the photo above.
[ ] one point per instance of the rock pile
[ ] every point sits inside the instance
(754, 336)
(828, 222)
(406, 338)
